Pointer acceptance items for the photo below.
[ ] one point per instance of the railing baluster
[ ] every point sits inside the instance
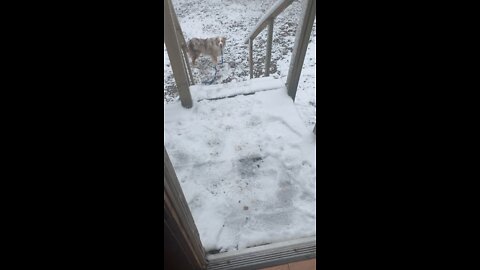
(250, 48)
(273, 12)
(267, 19)
(269, 48)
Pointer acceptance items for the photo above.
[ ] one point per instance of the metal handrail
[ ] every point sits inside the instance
(267, 19)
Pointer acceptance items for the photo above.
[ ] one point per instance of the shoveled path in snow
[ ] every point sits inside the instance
(246, 164)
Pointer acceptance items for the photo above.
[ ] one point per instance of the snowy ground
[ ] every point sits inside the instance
(235, 20)
(243, 182)
(246, 165)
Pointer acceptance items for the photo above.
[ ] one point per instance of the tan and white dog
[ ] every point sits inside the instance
(207, 46)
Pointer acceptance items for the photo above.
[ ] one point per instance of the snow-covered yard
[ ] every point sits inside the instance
(246, 164)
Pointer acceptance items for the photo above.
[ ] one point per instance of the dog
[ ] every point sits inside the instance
(208, 46)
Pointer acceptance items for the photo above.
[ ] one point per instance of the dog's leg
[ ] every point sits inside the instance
(214, 59)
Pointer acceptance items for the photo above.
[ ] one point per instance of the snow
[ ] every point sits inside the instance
(200, 92)
(247, 168)
(216, 145)
(262, 23)
(235, 20)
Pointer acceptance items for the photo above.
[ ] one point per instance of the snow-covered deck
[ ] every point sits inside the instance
(246, 164)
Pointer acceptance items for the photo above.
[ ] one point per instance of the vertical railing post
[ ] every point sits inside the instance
(175, 56)
(182, 42)
(300, 48)
(269, 48)
(250, 56)
(192, 81)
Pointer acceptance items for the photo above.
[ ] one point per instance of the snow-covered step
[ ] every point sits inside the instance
(217, 91)
(246, 166)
